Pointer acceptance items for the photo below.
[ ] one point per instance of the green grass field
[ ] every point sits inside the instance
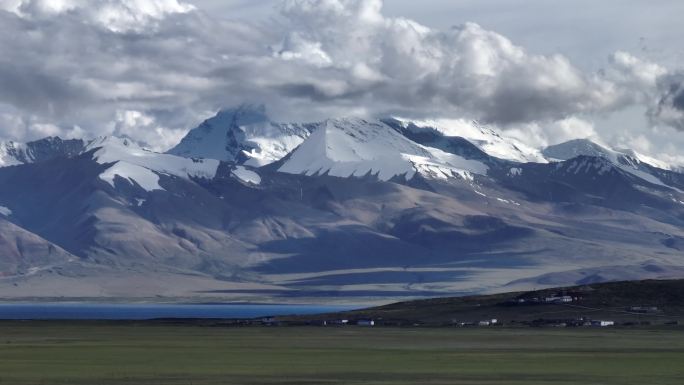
(89, 353)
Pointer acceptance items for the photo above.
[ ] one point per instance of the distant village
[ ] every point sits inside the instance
(566, 299)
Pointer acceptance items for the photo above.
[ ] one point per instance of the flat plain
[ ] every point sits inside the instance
(105, 353)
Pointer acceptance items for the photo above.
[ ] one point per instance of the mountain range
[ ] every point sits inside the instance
(349, 209)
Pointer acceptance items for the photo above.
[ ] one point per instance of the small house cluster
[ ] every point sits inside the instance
(486, 322)
(557, 298)
(602, 323)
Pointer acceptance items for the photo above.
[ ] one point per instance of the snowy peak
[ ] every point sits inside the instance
(143, 167)
(357, 148)
(487, 139)
(585, 147)
(628, 161)
(242, 135)
(578, 147)
(13, 153)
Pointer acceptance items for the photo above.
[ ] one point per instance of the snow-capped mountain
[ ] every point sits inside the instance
(578, 147)
(242, 135)
(629, 161)
(14, 153)
(134, 164)
(355, 207)
(585, 147)
(358, 147)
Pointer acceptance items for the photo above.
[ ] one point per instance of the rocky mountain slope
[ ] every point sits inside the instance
(350, 209)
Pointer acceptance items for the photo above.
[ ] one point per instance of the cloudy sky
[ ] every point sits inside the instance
(542, 71)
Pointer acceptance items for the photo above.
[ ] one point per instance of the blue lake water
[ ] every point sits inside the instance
(88, 311)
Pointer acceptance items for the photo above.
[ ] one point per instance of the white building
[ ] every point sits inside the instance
(602, 323)
(558, 299)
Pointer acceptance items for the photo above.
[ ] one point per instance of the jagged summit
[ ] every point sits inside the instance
(244, 134)
(14, 153)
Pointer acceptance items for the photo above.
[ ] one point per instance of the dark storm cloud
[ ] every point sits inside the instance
(678, 99)
(669, 109)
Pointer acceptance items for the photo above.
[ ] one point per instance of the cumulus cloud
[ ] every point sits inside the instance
(542, 134)
(115, 15)
(150, 69)
(398, 63)
(638, 73)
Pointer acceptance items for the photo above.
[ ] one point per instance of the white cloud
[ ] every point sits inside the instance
(152, 69)
(631, 69)
(467, 70)
(145, 129)
(115, 15)
(546, 133)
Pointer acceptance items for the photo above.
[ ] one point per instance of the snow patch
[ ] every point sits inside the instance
(5, 211)
(142, 176)
(515, 171)
(247, 176)
(643, 175)
(8, 152)
(588, 165)
(510, 202)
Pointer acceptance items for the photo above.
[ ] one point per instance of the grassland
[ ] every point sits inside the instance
(102, 354)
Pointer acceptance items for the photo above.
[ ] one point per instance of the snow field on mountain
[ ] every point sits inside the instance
(485, 138)
(143, 166)
(356, 147)
(247, 176)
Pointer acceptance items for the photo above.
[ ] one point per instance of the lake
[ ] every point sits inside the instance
(93, 311)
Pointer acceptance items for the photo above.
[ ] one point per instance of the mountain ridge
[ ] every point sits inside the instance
(360, 208)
